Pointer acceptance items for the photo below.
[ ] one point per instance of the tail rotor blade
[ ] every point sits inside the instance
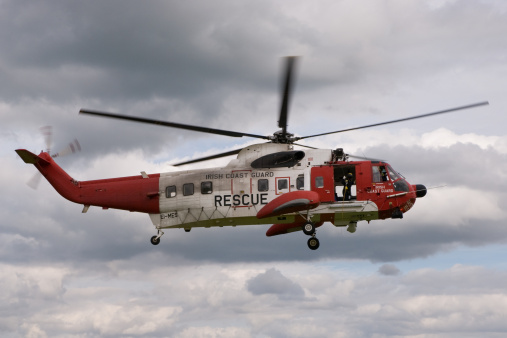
(47, 132)
(71, 148)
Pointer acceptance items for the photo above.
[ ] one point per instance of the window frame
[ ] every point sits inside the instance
(206, 190)
(260, 184)
(187, 192)
(167, 193)
(285, 182)
(319, 182)
(300, 182)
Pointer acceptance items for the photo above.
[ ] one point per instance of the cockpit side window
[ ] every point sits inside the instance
(379, 174)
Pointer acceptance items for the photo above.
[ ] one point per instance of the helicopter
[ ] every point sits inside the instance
(267, 183)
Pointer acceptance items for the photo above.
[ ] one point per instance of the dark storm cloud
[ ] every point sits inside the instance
(181, 62)
(130, 51)
(169, 60)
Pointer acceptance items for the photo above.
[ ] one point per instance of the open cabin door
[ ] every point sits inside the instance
(322, 182)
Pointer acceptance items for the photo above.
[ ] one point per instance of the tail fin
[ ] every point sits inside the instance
(31, 158)
(56, 176)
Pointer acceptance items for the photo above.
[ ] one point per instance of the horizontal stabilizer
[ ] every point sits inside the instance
(30, 158)
(293, 201)
(280, 229)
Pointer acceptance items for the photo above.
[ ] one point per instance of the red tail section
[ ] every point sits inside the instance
(133, 193)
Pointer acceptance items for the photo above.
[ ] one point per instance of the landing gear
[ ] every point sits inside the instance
(155, 240)
(313, 243)
(309, 228)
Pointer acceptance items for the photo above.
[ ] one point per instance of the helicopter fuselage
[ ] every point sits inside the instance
(335, 189)
(234, 195)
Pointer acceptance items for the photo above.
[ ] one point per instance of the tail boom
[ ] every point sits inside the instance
(133, 193)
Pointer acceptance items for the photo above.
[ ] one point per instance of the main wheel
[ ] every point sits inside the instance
(154, 240)
(313, 243)
(309, 228)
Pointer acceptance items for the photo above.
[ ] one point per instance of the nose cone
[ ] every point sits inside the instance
(420, 190)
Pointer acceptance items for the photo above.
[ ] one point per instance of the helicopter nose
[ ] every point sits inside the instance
(420, 190)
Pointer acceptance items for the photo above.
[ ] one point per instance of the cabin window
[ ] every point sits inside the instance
(263, 185)
(319, 182)
(170, 191)
(206, 187)
(300, 182)
(283, 184)
(188, 189)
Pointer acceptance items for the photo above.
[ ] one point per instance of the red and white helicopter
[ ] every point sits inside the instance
(267, 183)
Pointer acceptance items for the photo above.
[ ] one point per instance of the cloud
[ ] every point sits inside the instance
(67, 273)
(120, 299)
(389, 270)
(273, 282)
(214, 332)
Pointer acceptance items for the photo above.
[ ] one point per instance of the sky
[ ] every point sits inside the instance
(440, 271)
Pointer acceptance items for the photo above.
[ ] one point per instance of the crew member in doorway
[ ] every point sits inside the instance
(347, 185)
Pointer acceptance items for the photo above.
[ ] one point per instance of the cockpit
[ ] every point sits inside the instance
(383, 172)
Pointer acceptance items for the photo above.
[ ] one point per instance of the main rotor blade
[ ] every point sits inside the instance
(212, 157)
(302, 145)
(290, 63)
(171, 124)
(401, 120)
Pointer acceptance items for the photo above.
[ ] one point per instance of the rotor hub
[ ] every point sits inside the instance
(281, 137)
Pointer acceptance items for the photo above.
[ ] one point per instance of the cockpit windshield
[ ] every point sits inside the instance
(393, 174)
(399, 181)
(385, 173)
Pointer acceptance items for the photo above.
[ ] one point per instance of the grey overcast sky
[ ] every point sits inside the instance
(440, 271)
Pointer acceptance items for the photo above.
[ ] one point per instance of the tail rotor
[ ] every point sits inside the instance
(47, 132)
(72, 148)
